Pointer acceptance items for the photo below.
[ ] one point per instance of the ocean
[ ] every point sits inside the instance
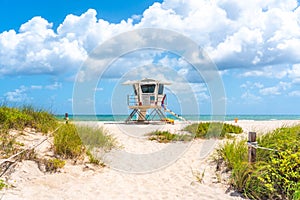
(187, 117)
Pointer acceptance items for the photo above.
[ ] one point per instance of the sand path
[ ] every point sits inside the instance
(174, 180)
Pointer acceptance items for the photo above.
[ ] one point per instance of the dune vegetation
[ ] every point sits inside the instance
(212, 129)
(72, 141)
(166, 136)
(275, 174)
(69, 141)
(19, 119)
(202, 130)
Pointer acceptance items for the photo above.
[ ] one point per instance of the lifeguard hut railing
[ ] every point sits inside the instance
(132, 100)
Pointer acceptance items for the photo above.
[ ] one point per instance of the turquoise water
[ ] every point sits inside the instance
(187, 117)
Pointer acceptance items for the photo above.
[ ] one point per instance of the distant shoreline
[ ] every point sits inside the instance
(109, 117)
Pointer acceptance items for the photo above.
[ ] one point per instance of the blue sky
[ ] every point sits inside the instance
(254, 45)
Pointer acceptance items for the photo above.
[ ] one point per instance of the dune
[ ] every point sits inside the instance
(137, 169)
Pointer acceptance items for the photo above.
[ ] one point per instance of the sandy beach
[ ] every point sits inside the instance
(137, 169)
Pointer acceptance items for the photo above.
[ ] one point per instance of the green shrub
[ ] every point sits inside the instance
(296, 195)
(275, 175)
(70, 141)
(278, 174)
(2, 184)
(212, 129)
(52, 165)
(277, 179)
(13, 118)
(166, 136)
(94, 160)
(67, 142)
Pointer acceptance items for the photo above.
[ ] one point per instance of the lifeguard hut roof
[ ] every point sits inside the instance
(145, 80)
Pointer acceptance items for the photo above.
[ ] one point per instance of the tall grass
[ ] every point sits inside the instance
(275, 175)
(96, 137)
(14, 118)
(41, 119)
(26, 116)
(20, 118)
(212, 129)
(166, 136)
(71, 141)
(7, 144)
(67, 142)
(234, 154)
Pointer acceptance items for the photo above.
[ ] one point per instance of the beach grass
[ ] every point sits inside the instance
(67, 142)
(96, 137)
(166, 136)
(52, 165)
(212, 129)
(2, 184)
(93, 159)
(203, 130)
(275, 174)
(18, 119)
(71, 141)
(27, 116)
(42, 120)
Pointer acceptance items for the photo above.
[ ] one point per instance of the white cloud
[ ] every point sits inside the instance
(54, 86)
(36, 87)
(249, 97)
(20, 95)
(295, 93)
(249, 85)
(277, 72)
(17, 96)
(294, 73)
(275, 90)
(200, 90)
(235, 33)
(136, 17)
(99, 89)
(37, 49)
(270, 91)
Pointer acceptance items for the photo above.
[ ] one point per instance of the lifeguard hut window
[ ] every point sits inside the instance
(160, 89)
(148, 88)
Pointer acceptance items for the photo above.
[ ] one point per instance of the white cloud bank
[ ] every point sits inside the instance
(236, 34)
(21, 94)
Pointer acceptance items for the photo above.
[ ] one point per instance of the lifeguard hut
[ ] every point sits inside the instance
(148, 102)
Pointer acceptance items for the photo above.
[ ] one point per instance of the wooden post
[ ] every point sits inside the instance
(251, 149)
(67, 117)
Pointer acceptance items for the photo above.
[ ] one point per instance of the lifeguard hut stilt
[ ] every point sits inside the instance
(148, 96)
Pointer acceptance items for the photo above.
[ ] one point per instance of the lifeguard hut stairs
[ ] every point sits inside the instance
(136, 115)
(156, 115)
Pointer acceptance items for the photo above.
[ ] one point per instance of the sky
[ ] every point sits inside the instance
(253, 45)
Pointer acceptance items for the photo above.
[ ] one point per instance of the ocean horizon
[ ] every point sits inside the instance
(110, 117)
